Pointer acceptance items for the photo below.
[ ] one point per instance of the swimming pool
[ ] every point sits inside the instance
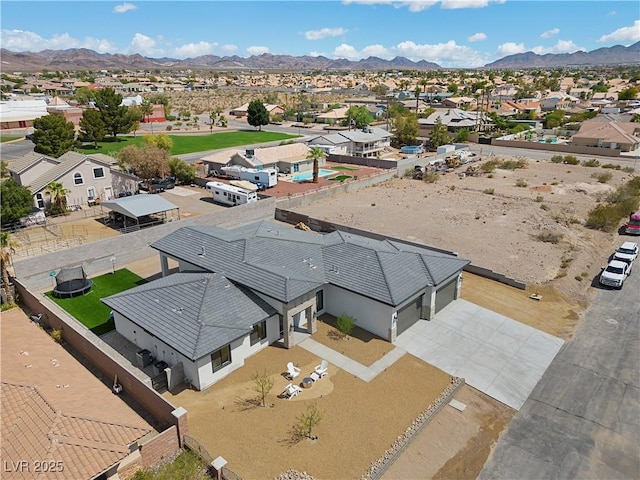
(302, 177)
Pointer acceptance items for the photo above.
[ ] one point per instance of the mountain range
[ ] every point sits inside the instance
(85, 59)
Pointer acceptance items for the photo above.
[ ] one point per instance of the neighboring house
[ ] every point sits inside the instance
(87, 177)
(332, 117)
(241, 289)
(271, 109)
(286, 158)
(366, 142)
(614, 135)
(21, 113)
(58, 106)
(453, 118)
(460, 102)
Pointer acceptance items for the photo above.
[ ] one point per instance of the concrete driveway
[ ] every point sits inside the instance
(497, 355)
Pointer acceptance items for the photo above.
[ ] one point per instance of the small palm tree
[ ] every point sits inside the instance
(316, 154)
(58, 196)
(8, 248)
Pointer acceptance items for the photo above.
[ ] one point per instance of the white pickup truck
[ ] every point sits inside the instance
(614, 274)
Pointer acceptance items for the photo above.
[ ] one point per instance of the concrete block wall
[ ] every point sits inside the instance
(160, 449)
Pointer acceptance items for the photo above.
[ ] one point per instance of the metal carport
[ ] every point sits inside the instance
(138, 206)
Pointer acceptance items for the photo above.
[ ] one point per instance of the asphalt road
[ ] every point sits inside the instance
(583, 418)
(15, 150)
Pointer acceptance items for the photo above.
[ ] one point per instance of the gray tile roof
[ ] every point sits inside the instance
(285, 263)
(21, 164)
(195, 313)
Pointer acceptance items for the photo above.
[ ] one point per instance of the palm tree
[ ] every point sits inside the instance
(58, 196)
(316, 154)
(8, 248)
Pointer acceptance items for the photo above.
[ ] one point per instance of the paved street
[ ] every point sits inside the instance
(583, 418)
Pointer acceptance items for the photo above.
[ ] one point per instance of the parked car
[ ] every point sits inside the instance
(627, 252)
(614, 274)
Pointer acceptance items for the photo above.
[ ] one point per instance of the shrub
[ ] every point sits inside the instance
(578, 278)
(7, 306)
(489, 191)
(571, 160)
(490, 166)
(408, 173)
(170, 118)
(611, 166)
(513, 164)
(262, 385)
(56, 334)
(539, 198)
(557, 158)
(169, 128)
(564, 263)
(431, 177)
(521, 183)
(345, 324)
(629, 170)
(602, 177)
(544, 207)
(561, 274)
(306, 422)
(591, 163)
(549, 236)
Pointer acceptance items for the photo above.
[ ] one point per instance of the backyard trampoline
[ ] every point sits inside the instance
(71, 282)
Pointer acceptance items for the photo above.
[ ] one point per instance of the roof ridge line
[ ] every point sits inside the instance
(384, 275)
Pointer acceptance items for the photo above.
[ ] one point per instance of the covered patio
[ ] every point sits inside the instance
(130, 214)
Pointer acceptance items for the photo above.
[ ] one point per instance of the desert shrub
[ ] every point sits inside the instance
(513, 164)
(539, 198)
(549, 236)
(431, 177)
(7, 306)
(56, 334)
(408, 173)
(571, 160)
(591, 163)
(578, 278)
(521, 183)
(611, 166)
(602, 177)
(565, 262)
(629, 170)
(489, 191)
(178, 124)
(169, 128)
(607, 216)
(544, 207)
(557, 158)
(170, 118)
(345, 324)
(489, 167)
(561, 274)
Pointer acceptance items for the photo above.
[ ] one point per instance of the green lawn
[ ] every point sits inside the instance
(192, 143)
(341, 178)
(88, 309)
(8, 139)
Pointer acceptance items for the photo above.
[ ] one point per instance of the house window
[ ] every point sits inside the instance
(39, 200)
(259, 332)
(98, 172)
(319, 300)
(221, 358)
(77, 179)
(296, 167)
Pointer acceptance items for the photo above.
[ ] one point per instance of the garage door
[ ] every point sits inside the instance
(445, 295)
(409, 315)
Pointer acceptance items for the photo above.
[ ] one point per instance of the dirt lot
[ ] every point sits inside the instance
(493, 222)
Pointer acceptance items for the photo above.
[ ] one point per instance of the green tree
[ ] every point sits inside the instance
(307, 421)
(147, 161)
(358, 115)
(452, 88)
(380, 90)
(180, 169)
(83, 96)
(117, 118)
(262, 384)
(16, 201)
(58, 194)
(316, 154)
(405, 128)
(92, 127)
(146, 109)
(8, 248)
(439, 135)
(345, 324)
(461, 136)
(257, 114)
(53, 135)
(160, 140)
(628, 94)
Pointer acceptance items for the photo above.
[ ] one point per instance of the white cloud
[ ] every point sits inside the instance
(257, 50)
(190, 50)
(477, 37)
(550, 33)
(22, 41)
(143, 45)
(125, 7)
(420, 5)
(625, 34)
(324, 33)
(447, 54)
(510, 48)
(563, 46)
(317, 54)
(228, 49)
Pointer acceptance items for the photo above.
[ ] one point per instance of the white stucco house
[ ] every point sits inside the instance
(365, 142)
(87, 177)
(281, 279)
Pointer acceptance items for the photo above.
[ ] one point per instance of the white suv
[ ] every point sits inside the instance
(615, 274)
(627, 252)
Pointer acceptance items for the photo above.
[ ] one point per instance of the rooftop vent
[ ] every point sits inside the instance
(250, 152)
(202, 253)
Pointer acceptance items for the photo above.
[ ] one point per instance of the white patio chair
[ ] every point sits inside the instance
(292, 371)
(321, 369)
(291, 391)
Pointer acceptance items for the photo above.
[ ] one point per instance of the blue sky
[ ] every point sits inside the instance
(452, 33)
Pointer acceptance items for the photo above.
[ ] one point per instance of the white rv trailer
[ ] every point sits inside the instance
(266, 177)
(230, 194)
